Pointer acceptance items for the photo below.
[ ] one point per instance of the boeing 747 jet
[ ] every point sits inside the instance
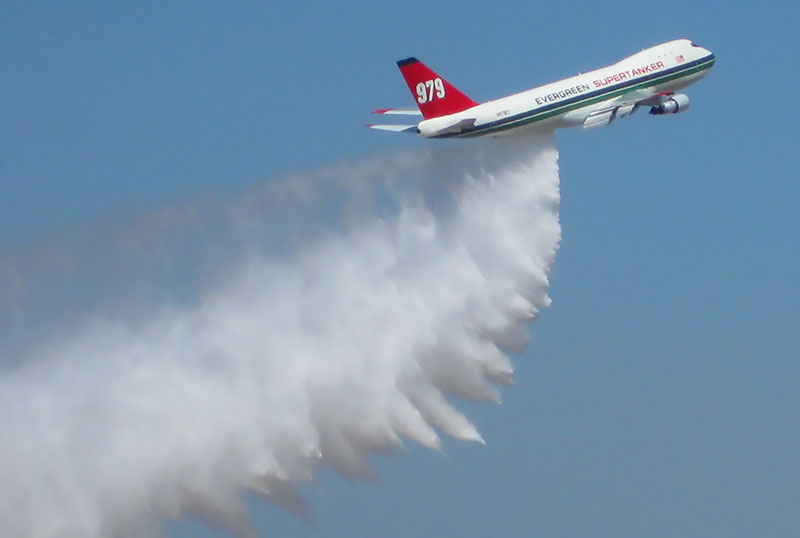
(650, 78)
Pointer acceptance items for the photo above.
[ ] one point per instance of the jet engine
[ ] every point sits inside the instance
(677, 103)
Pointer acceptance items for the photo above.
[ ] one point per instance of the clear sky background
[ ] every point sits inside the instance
(660, 395)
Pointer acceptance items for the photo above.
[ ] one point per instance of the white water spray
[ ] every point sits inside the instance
(347, 344)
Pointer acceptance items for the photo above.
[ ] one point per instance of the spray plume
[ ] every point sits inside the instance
(320, 318)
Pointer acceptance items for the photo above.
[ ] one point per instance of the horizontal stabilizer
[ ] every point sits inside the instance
(396, 128)
(399, 111)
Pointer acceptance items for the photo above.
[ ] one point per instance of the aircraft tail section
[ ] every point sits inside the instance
(434, 95)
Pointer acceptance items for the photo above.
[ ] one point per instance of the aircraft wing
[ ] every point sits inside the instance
(399, 111)
(619, 108)
(602, 117)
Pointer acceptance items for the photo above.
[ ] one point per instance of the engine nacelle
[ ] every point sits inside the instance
(677, 103)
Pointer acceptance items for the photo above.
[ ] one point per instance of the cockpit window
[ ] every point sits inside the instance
(695, 45)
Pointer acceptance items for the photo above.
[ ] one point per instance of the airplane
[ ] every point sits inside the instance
(649, 78)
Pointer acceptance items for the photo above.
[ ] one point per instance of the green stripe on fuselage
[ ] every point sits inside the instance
(588, 101)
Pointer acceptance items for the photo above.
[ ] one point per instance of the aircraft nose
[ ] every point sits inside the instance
(703, 51)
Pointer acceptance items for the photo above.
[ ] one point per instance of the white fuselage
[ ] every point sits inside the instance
(620, 87)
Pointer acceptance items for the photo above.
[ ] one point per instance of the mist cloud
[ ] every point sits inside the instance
(237, 345)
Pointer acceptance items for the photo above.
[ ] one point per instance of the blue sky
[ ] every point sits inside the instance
(659, 397)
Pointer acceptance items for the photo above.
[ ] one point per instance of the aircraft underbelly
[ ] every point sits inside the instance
(683, 82)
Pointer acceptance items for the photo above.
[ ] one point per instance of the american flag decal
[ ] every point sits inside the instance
(680, 59)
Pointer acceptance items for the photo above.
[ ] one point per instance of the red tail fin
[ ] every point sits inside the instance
(434, 95)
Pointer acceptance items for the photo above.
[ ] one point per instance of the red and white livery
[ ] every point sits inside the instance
(649, 78)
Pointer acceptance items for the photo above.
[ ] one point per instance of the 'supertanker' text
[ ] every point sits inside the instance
(599, 83)
(630, 73)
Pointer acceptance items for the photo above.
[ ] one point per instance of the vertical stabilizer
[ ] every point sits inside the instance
(434, 95)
